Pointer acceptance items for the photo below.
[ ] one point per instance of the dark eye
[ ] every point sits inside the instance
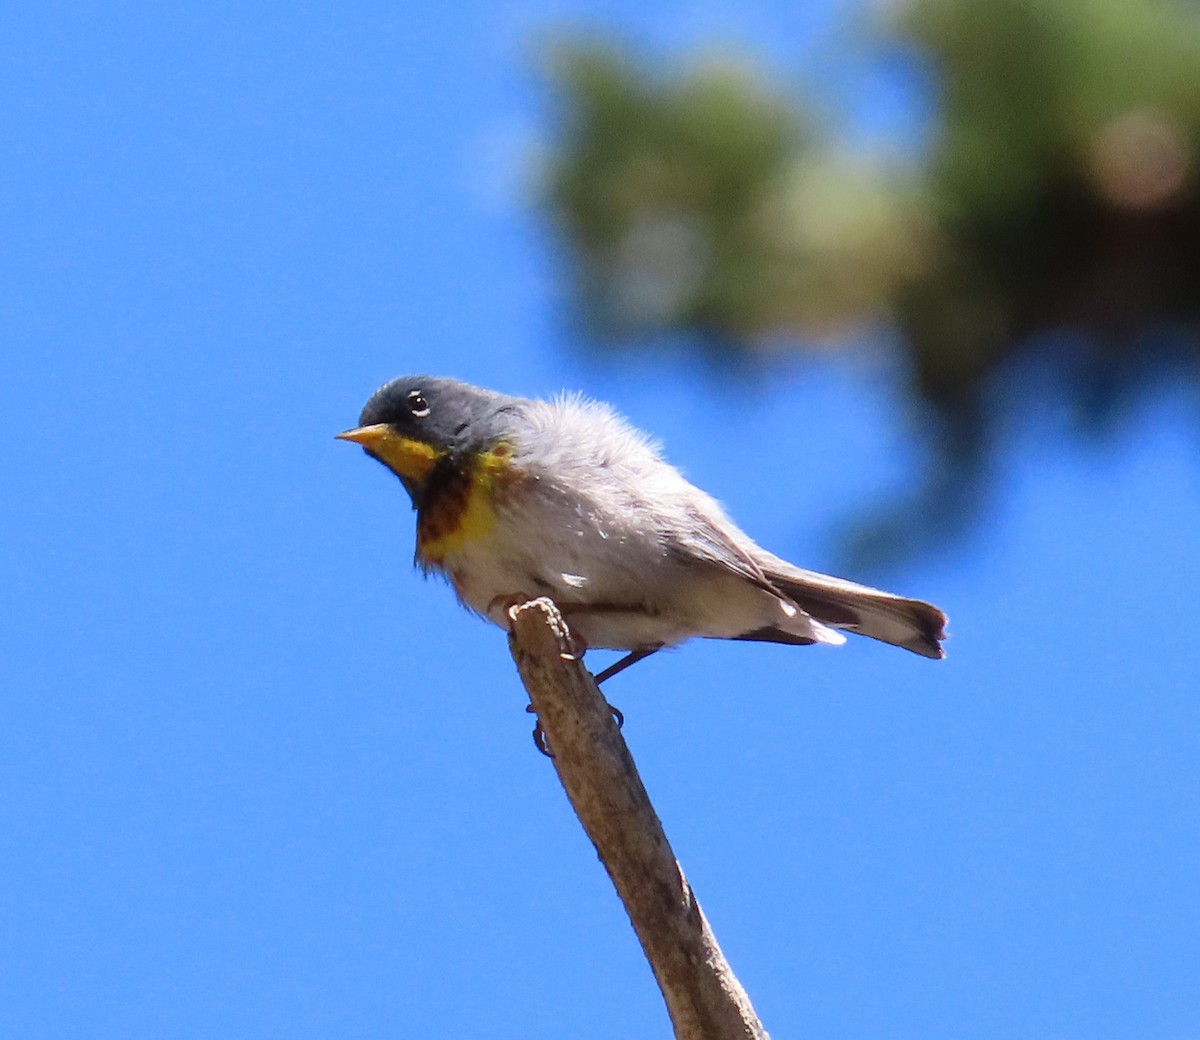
(418, 405)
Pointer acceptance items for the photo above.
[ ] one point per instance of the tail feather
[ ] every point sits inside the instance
(908, 623)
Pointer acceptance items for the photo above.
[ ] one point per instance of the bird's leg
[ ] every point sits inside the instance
(579, 648)
(539, 735)
(630, 658)
(569, 610)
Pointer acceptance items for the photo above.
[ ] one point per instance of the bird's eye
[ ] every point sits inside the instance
(418, 405)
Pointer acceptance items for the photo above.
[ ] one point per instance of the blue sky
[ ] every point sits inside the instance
(257, 778)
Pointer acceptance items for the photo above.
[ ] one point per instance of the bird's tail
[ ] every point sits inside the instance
(908, 623)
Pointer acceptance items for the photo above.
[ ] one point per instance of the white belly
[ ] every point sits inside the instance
(617, 592)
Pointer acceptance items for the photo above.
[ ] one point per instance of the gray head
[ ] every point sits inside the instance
(414, 422)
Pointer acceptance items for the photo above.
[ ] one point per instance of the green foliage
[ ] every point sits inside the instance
(1054, 220)
(690, 202)
(1065, 184)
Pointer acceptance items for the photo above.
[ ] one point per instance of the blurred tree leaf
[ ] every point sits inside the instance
(1065, 185)
(689, 202)
(1046, 254)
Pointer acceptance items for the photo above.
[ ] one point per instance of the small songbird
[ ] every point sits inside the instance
(518, 498)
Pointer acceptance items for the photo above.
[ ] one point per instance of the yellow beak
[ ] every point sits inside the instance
(404, 456)
(367, 436)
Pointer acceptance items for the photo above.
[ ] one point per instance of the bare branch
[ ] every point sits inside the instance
(704, 998)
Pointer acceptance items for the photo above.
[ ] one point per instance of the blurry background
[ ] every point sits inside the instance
(911, 287)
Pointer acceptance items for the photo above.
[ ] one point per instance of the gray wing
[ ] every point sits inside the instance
(705, 539)
(711, 540)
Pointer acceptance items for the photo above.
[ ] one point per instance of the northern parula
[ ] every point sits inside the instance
(518, 498)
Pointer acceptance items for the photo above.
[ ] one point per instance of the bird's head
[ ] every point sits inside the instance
(415, 422)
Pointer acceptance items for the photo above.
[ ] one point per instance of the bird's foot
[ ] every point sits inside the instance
(506, 604)
(539, 734)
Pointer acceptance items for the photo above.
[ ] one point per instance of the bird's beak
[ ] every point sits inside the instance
(402, 455)
(367, 436)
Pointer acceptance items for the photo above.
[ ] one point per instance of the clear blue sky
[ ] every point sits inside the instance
(258, 779)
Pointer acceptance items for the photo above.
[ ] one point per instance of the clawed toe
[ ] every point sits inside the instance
(506, 603)
(539, 734)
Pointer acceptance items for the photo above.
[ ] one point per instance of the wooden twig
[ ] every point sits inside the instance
(704, 998)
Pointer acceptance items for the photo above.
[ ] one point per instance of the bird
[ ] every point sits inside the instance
(518, 498)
